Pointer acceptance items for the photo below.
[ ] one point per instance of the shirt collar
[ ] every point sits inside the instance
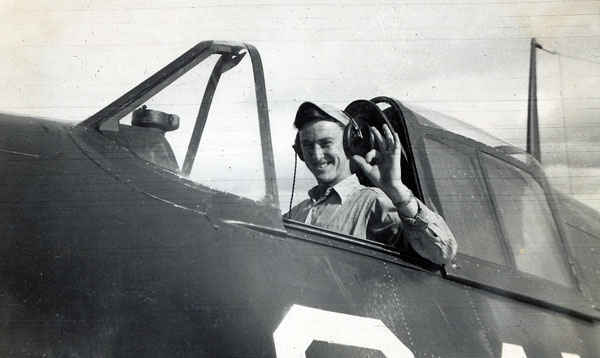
(343, 189)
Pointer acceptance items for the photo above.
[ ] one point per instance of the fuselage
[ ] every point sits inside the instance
(106, 255)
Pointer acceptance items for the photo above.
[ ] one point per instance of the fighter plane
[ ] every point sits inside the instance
(115, 245)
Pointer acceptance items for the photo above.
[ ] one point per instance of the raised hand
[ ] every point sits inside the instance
(382, 165)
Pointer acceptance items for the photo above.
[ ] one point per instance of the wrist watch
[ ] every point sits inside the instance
(418, 220)
(400, 204)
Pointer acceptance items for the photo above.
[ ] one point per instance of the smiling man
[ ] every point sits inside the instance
(388, 212)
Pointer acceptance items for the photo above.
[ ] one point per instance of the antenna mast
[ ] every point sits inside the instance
(533, 128)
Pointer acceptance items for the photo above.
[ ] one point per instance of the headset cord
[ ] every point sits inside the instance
(293, 184)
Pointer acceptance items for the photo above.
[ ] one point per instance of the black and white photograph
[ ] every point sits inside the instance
(300, 179)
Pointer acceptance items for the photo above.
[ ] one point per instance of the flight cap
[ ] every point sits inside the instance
(310, 111)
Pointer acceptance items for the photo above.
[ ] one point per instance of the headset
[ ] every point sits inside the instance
(356, 118)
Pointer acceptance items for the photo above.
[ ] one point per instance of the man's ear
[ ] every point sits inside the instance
(298, 146)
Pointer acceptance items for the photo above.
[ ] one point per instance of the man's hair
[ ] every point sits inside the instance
(310, 112)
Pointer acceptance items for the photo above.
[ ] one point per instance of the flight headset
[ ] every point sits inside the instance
(357, 137)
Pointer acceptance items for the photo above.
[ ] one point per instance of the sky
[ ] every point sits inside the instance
(468, 59)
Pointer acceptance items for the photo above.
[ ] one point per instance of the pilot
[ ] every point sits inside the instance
(388, 212)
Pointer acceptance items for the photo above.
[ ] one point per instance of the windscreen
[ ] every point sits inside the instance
(229, 156)
(465, 202)
(527, 221)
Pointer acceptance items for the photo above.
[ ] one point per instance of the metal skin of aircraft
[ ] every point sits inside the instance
(108, 250)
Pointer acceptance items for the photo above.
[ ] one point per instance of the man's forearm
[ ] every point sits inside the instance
(429, 235)
(403, 199)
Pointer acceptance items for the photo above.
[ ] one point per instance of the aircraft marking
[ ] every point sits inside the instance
(512, 351)
(516, 351)
(302, 325)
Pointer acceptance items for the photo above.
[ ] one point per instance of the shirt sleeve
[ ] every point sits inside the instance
(427, 232)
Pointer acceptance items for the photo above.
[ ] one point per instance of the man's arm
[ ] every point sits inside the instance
(429, 235)
(425, 231)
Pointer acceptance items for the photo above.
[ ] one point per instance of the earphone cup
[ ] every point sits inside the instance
(298, 147)
(364, 114)
(358, 139)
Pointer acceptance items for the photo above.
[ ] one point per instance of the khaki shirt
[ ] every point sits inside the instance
(367, 213)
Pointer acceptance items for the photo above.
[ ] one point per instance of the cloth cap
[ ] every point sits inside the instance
(309, 111)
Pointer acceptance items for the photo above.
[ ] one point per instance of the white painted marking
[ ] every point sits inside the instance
(570, 355)
(302, 325)
(512, 351)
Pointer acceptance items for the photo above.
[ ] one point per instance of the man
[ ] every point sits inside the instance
(387, 213)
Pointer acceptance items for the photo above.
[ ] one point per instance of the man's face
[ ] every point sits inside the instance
(323, 149)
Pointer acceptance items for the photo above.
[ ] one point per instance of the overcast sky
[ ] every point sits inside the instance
(465, 58)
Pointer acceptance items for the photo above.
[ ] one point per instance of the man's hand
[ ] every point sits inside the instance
(382, 167)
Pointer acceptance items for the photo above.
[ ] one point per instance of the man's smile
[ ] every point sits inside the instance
(322, 165)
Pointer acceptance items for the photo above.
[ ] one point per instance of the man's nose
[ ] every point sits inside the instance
(316, 152)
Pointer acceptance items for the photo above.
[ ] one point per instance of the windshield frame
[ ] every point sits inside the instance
(107, 119)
